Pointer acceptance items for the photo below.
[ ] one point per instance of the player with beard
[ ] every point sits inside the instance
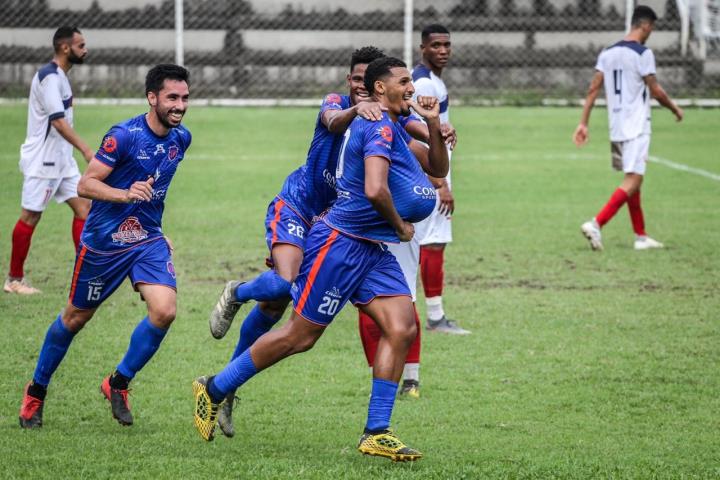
(46, 157)
(127, 179)
(382, 187)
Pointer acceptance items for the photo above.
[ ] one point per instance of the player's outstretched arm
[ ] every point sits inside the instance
(93, 186)
(378, 194)
(437, 163)
(69, 134)
(659, 94)
(581, 136)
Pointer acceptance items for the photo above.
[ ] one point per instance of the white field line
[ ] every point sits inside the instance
(486, 157)
(685, 168)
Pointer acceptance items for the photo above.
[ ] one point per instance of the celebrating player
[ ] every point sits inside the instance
(381, 190)
(627, 70)
(127, 180)
(46, 160)
(305, 194)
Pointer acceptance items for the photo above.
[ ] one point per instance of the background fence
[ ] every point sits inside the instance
(290, 49)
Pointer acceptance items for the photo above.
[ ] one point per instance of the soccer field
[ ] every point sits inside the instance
(580, 365)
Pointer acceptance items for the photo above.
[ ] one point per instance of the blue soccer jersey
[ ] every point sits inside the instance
(135, 153)
(310, 189)
(412, 192)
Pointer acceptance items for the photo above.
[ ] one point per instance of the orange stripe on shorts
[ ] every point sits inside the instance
(76, 273)
(273, 225)
(314, 270)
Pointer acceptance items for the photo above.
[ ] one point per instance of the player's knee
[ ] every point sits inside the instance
(75, 319)
(29, 217)
(402, 332)
(163, 316)
(274, 309)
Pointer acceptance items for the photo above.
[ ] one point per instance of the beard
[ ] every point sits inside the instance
(74, 59)
(163, 117)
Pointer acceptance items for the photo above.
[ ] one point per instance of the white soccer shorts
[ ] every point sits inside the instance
(631, 156)
(407, 255)
(37, 192)
(437, 228)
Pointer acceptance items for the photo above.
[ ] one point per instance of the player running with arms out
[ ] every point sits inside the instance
(382, 189)
(46, 157)
(627, 71)
(127, 180)
(305, 194)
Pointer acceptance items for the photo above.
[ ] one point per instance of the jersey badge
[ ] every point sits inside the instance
(130, 231)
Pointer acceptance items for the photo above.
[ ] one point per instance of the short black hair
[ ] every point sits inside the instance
(164, 71)
(365, 55)
(378, 69)
(432, 28)
(643, 13)
(63, 35)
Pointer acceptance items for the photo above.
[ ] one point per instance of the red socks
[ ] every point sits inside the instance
(431, 271)
(370, 336)
(618, 198)
(636, 214)
(77, 227)
(21, 236)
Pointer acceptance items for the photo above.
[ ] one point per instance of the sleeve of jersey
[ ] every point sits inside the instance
(378, 139)
(424, 87)
(332, 101)
(114, 147)
(51, 97)
(647, 63)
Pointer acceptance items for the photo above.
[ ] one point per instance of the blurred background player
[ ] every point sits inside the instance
(381, 189)
(127, 180)
(305, 194)
(627, 70)
(46, 160)
(435, 232)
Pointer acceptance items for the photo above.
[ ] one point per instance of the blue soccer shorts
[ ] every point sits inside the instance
(97, 275)
(284, 225)
(337, 268)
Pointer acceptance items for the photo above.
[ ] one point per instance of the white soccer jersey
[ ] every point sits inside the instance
(45, 153)
(426, 83)
(624, 66)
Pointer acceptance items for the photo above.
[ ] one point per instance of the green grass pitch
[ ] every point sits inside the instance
(580, 364)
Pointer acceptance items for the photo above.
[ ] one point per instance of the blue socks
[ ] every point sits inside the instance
(265, 287)
(255, 325)
(144, 342)
(233, 376)
(380, 409)
(57, 342)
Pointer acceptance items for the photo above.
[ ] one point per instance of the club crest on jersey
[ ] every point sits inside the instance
(333, 98)
(173, 152)
(109, 144)
(386, 133)
(130, 231)
(159, 148)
